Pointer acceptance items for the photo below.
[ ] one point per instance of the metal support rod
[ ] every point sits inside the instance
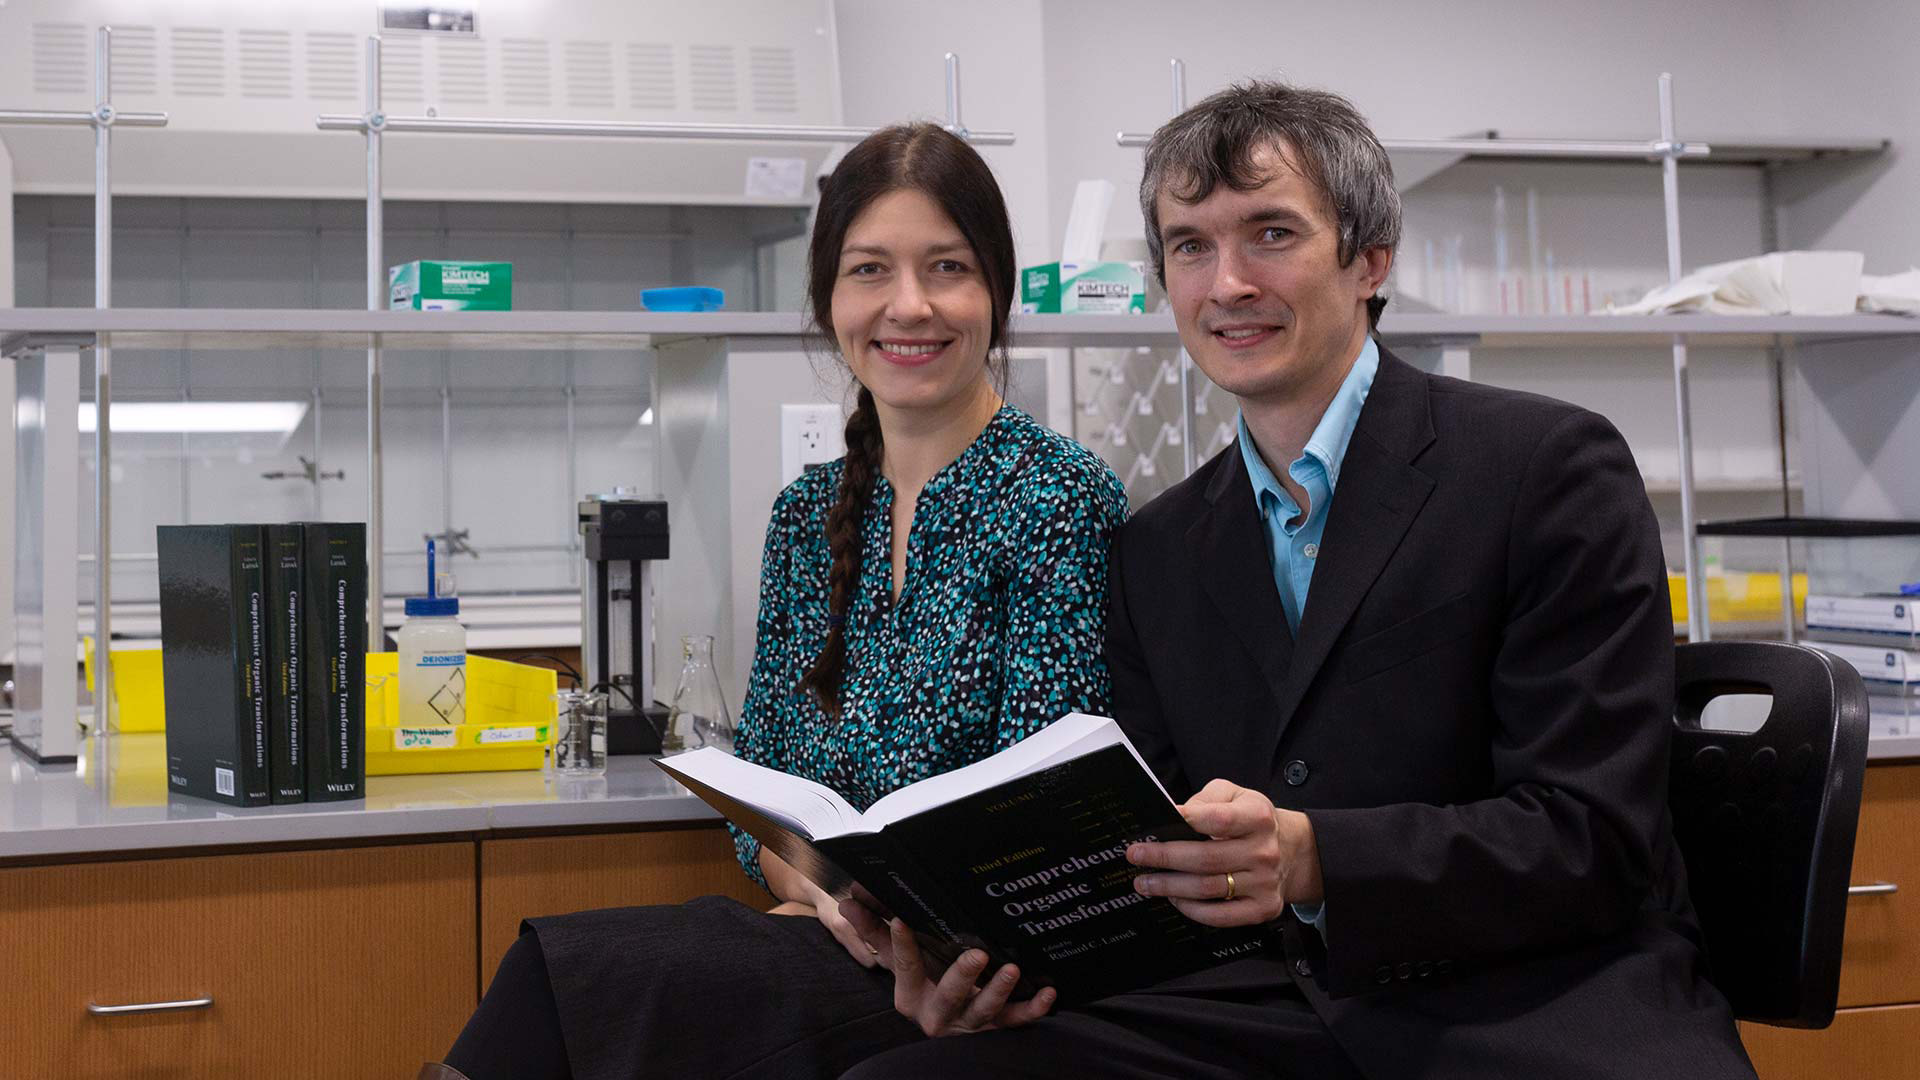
(1521, 148)
(1697, 625)
(953, 96)
(629, 129)
(103, 383)
(1777, 356)
(1187, 452)
(63, 118)
(372, 124)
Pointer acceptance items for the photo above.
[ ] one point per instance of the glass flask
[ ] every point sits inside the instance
(698, 715)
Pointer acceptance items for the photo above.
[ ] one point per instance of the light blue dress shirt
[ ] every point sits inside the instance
(1293, 538)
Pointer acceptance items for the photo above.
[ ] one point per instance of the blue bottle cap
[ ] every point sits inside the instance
(433, 605)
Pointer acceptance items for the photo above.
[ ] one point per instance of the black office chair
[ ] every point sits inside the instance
(1765, 822)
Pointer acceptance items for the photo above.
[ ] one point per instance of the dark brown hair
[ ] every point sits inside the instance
(940, 165)
(1215, 143)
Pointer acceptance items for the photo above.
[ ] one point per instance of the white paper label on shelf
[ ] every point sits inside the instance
(776, 177)
(426, 738)
(509, 735)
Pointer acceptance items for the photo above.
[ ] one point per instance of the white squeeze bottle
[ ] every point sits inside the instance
(433, 658)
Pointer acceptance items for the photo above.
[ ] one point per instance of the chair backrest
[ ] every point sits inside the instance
(1765, 821)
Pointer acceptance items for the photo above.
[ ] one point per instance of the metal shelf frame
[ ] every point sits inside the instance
(102, 119)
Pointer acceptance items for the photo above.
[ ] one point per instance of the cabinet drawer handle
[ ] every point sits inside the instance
(150, 1006)
(1878, 888)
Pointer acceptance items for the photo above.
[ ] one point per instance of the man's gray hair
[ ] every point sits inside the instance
(1214, 143)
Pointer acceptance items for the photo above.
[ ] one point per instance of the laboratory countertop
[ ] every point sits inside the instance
(52, 812)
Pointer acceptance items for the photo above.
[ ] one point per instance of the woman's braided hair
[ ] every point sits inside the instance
(929, 159)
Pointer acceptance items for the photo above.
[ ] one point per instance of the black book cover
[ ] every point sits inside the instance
(213, 630)
(286, 614)
(336, 660)
(1033, 871)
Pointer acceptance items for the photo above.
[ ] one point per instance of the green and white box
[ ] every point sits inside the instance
(1084, 288)
(425, 285)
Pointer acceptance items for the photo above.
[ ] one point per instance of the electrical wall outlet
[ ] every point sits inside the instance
(809, 435)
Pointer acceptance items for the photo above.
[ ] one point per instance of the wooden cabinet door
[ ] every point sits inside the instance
(1880, 962)
(553, 875)
(1870, 1044)
(349, 963)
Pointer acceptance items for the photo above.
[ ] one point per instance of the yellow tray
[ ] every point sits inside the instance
(510, 714)
(510, 721)
(1737, 596)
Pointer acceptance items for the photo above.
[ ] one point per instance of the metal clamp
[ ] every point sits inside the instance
(151, 1006)
(1878, 888)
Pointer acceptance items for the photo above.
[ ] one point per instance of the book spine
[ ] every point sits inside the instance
(286, 612)
(250, 655)
(337, 653)
(200, 644)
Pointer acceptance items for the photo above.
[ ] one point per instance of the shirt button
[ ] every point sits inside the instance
(1302, 968)
(1296, 772)
(1311, 551)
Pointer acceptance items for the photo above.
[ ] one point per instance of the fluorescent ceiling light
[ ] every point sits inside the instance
(647, 417)
(195, 417)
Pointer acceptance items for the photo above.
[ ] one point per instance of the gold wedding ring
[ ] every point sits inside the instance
(1229, 895)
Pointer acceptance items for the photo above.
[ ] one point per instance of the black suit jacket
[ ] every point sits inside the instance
(1475, 717)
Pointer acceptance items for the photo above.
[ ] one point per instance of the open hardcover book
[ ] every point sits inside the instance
(1022, 854)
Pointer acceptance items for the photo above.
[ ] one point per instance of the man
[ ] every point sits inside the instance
(1407, 646)
(1409, 640)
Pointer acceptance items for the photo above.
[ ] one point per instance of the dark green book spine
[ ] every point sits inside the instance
(336, 675)
(211, 612)
(286, 613)
(250, 631)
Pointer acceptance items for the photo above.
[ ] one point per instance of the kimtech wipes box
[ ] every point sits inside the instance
(1084, 288)
(425, 285)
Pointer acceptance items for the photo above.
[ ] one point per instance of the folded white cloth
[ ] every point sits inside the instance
(1897, 294)
(1779, 283)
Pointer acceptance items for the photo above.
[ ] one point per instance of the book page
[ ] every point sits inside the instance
(813, 810)
(1071, 736)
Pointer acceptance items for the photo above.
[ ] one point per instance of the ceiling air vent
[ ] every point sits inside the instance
(59, 58)
(713, 79)
(650, 82)
(333, 66)
(463, 71)
(400, 71)
(136, 62)
(199, 62)
(526, 69)
(266, 64)
(589, 74)
(776, 87)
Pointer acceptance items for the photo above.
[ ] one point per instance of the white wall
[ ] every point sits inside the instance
(891, 70)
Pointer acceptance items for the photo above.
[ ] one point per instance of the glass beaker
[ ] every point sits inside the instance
(581, 749)
(698, 715)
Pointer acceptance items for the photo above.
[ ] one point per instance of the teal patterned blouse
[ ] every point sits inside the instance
(997, 632)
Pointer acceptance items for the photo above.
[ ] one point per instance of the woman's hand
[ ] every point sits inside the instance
(1257, 859)
(956, 1004)
(800, 896)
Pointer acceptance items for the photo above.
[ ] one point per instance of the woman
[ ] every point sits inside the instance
(934, 597)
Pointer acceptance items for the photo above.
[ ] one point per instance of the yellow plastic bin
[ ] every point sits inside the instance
(510, 721)
(139, 700)
(510, 713)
